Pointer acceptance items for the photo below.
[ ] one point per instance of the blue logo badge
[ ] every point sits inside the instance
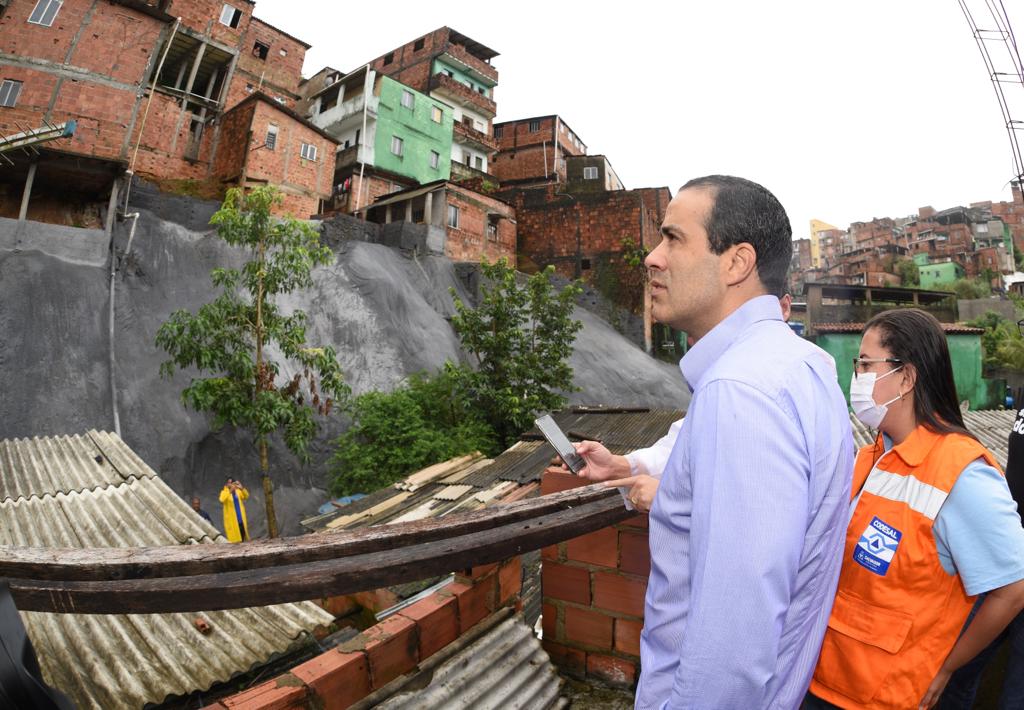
(877, 546)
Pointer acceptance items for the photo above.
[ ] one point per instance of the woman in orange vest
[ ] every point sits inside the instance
(932, 526)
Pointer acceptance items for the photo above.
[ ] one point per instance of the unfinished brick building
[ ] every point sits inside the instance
(533, 150)
(150, 92)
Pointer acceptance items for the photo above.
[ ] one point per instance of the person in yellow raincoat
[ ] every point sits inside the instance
(231, 496)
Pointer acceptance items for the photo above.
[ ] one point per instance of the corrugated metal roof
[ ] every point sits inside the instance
(506, 668)
(55, 494)
(950, 328)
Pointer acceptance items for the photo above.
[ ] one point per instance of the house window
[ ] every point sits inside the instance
(308, 151)
(396, 145)
(45, 12)
(590, 173)
(497, 131)
(9, 91)
(453, 216)
(418, 44)
(436, 114)
(283, 52)
(435, 159)
(492, 226)
(230, 16)
(450, 73)
(388, 58)
(534, 126)
(478, 162)
(408, 100)
(271, 140)
(260, 50)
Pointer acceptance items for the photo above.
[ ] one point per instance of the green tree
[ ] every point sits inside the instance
(229, 336)
(969, 288)
(521, 338)
(909, 273)
(395, 433)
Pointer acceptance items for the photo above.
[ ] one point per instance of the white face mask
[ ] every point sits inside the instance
(862, 399)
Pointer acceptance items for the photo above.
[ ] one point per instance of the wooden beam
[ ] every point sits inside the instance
(211, 577)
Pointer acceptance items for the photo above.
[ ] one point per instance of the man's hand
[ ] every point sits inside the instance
(934, 692)
(640, 490)
(602, 464)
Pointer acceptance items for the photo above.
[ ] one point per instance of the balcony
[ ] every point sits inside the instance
(346, 157)
(462, 94)
(462, 173)
(346, 114)
(460, 55)
(475, 138)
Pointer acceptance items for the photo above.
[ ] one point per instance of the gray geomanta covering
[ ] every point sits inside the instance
(55, 493)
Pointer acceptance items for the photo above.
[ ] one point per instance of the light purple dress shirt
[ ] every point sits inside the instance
(748, 524)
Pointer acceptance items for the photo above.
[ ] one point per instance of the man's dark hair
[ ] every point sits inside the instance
(746, 212)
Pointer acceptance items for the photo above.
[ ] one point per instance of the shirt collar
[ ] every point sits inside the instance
(706, 351)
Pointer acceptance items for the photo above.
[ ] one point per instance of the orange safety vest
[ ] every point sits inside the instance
(897, 612)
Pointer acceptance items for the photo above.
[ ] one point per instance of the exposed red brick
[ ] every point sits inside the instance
(571, 584)
(617, 593)
(588, 628)
(480, 571)
(555, 482)
(596, 548)
(570, 660)
(634, 553)
(272, 695)
(337, 679)
(613, 671)
(549, 620)
(637, 521)
(475, 601)
(392, 648)
(438, 620)
(627, 636)
(510, 579)
(551, 552)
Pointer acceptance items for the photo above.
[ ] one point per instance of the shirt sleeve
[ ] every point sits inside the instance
(652, 460)
(978, 533)
(749, 470)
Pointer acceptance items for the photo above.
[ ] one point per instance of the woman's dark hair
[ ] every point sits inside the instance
(916, 338)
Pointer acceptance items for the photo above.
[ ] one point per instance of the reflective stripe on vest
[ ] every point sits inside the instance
(922, 497)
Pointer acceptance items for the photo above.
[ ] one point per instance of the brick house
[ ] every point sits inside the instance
(96, 64)
(532, 150)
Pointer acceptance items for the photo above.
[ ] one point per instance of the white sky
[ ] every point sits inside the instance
(845, 110)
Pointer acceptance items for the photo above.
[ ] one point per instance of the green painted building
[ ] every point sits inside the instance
(842, 342)
(939, 274)
(472, 80)
(413, 133)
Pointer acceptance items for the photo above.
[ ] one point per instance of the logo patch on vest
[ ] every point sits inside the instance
(877, 546)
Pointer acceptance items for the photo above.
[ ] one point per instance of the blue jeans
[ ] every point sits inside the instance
(963, 686)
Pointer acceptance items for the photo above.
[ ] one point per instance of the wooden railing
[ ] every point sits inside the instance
(183, 578)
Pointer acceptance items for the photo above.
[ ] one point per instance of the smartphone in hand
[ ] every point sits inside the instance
(560, 442)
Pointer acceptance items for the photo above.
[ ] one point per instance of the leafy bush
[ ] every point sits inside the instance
(396, 433)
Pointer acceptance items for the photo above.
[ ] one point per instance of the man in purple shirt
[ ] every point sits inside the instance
(749, 518)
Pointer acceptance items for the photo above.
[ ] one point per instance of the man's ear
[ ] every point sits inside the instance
(740, 263)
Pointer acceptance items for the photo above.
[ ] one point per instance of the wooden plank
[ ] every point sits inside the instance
(125, 563)
(310, 580)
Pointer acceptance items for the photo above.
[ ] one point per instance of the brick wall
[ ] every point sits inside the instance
(527, 163)
(470, 241)
(234, 141)
(203, 17)
(594, 589)
(346, 674)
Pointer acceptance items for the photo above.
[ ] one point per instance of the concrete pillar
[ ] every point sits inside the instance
(428, 207)
(27, 192)
(387, 214)
(195, 68)
(408, 210)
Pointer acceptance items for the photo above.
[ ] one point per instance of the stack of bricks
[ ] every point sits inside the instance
(346, 674)
(594, 588)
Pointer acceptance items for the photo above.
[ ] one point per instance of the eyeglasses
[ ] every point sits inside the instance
(862, 364)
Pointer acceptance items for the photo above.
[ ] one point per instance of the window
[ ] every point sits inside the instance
(590, 172)
(418, 44)
(260, 50)
(388, 58)
(408, 100)
(497, 131)
(9, 90)
(492, 226)
(396, 145)
(435, 159)
(308, 151)
(45, 12)
(482, 90)
(450, 73)
(453, 216)
(479, 162)
(283, 52)
(534, 125)
(271, 140)
(230, 16)
(436, 114)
